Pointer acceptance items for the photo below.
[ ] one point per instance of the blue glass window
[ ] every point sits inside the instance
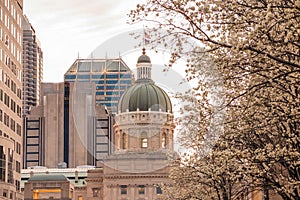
(125, 75)
(112, 93)
(112, 98)
(99, 93)
(85, 76)
(123, 87)
(97, 76)
(70, 76)
(111, 81)
(125, 81)
(111, 75)
(99, 87)
(114, 87)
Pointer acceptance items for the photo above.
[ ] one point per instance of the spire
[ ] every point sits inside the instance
(144, 66)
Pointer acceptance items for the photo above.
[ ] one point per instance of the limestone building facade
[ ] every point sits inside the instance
(143, 131)
(11, 14)
(88, 126)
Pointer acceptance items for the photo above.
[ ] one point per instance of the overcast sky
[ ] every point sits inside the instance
(68, 27)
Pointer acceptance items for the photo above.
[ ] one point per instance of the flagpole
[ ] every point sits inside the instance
(144, 36)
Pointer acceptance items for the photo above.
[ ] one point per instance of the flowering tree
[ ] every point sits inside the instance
(255, 47)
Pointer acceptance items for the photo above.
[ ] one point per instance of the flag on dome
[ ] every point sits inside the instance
(146, 37)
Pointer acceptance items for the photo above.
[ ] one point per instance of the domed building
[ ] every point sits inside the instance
(143, 135)
(144, 120)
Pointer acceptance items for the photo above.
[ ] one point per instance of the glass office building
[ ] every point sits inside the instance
(111, 77)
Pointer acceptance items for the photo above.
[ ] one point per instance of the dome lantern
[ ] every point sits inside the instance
(144, 67)
(144, 95)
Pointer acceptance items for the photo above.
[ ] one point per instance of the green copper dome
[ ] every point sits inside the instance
(145, 95)
(144, 59)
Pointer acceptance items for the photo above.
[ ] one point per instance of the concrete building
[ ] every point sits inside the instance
(11, 13)
(32, 67)
(83, 139)
(72, 124)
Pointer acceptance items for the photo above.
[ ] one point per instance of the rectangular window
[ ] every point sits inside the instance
(123, 189)
(99, 87)
(12, 124)
(87, 76)
(114, 87)
(111, 81)
(125, 82)
(141, 189)
(158, 190)
(98, 76)
(125, 75)
(144, 142)
(96, 192)
(18, 167)
(18, 129)
(111, 75)
(18, 184)
(2, 164)
(70, 77)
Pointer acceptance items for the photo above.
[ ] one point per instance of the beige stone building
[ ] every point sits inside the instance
(88, 127)
(143, 130)
(48, 187)
(11, 14)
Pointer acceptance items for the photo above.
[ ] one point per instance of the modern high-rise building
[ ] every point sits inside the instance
(11, 14)
(111, 77)
(73, 123)
(32, 67)
(88, 127)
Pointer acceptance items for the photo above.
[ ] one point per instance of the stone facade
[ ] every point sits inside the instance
(10, 98)
(67, 134)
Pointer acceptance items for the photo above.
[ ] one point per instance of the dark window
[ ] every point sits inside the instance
(2, 164)
(123, 189)
(70, 77)
(111, 75)
(158, 190)
(141, 189)
(96, 192)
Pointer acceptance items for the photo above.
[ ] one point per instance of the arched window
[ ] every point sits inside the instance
(164, 140)
(124, 141)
